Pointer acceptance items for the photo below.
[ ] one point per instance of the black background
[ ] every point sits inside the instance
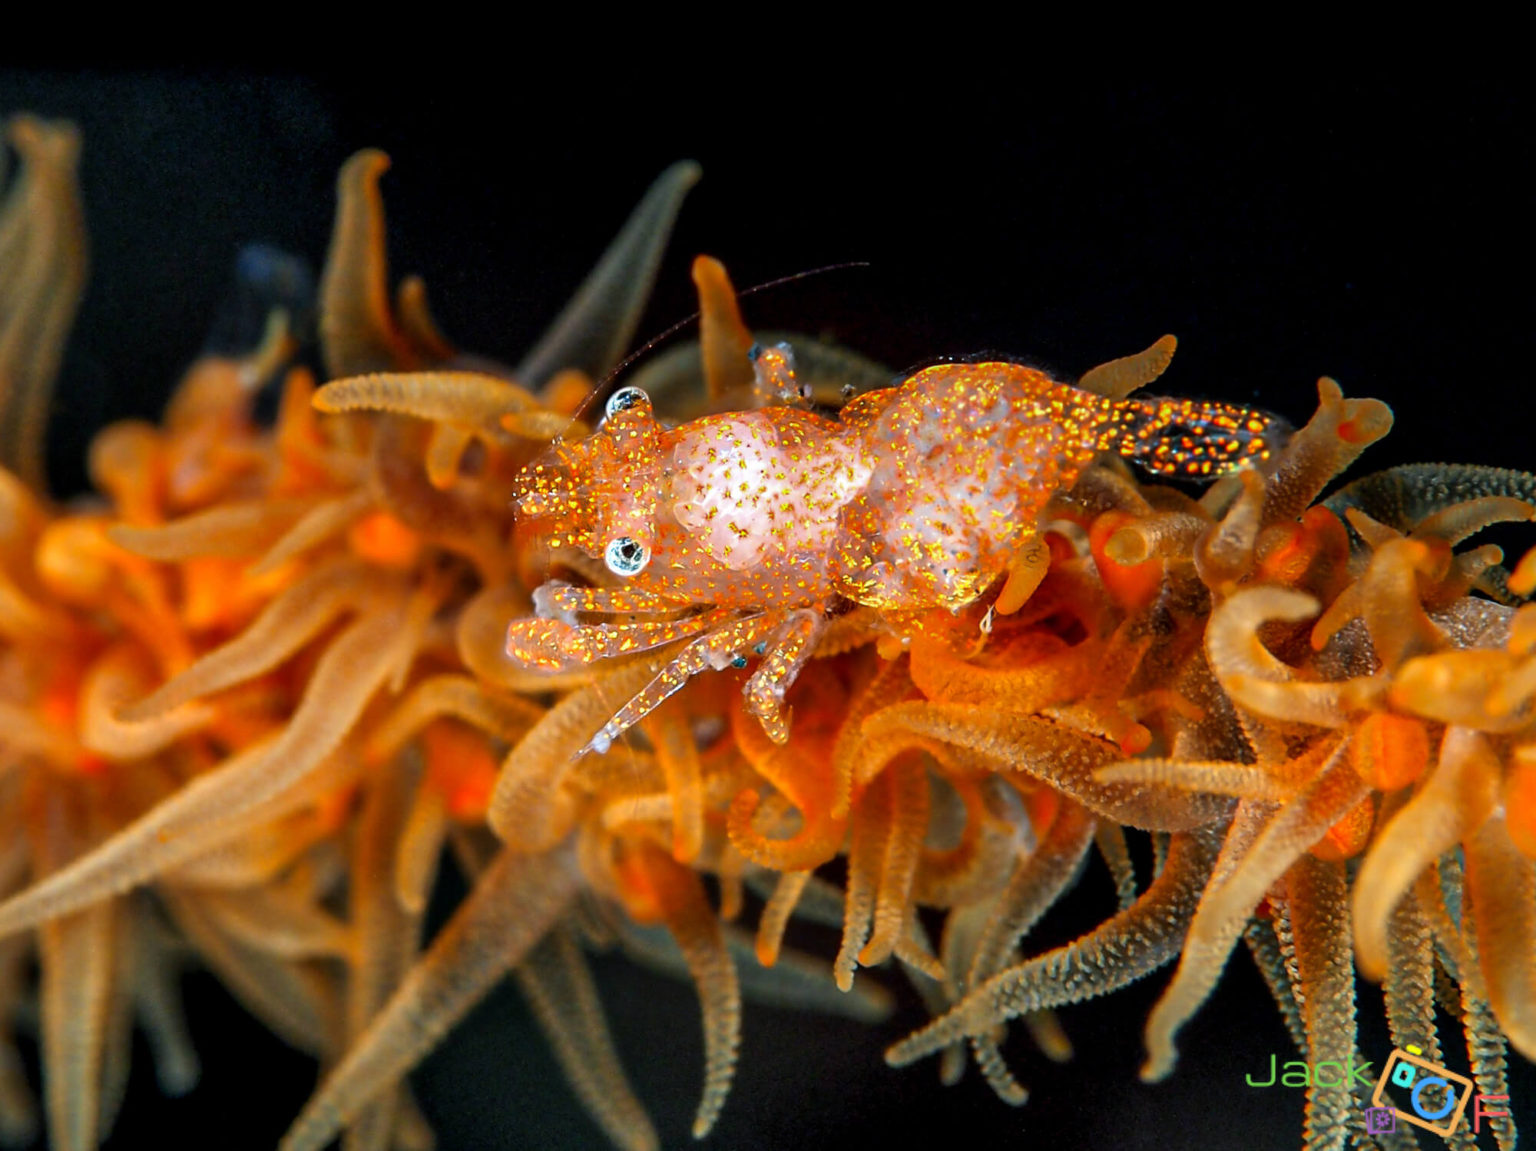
(1283, 229)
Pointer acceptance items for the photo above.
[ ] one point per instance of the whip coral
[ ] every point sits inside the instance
(262, 684)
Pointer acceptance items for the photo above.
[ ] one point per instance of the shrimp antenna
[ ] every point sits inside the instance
(618, 369)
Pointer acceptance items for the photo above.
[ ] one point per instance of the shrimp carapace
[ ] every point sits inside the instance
(759, 522)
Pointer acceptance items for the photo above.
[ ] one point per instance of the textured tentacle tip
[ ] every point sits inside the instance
(1159, 1063)
(1363, 421)
(1119, 378)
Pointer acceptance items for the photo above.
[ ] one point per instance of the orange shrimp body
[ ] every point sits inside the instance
(915, 497)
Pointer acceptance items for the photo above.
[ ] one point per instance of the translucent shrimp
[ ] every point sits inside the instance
(736, 535)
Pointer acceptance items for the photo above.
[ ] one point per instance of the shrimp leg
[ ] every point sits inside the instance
(788, 652)
(721, 649)
(559, 645)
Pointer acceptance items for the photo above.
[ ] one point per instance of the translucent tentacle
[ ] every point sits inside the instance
(280, 920)
(416, 320)
(890, 684)
(231, 529)
(1264, 936)
(210, 807)
(776, 915)
(514, 904)
(384, 936)
(597, 325)
(1409, 991)
(473, 399)
(1401, 497)
(1332, 440)
(1119, 378)
(1501, 883)
(558, 986)
(357, 331)
(115, 678)
(459, 696)
(157, 996)
(681, 902)
(1455, 799)
(42, 276)
(677, 752)
(523, 805)
(292, 999)
(871, 830)
(1239, 780)
(1049, 751)
(284, 626)
(323, 521)
(421, 844)
(1034, 888)
(1121, 950)
(77, 986)
(1254, 856)
(909, 823)
(1316, 892)
(724, 339)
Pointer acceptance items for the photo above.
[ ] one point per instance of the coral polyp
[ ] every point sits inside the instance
(895, 662)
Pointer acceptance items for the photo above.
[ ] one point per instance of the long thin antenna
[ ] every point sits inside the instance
(600, 390)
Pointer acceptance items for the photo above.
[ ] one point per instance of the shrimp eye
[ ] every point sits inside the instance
(626, 557)
(622, 400)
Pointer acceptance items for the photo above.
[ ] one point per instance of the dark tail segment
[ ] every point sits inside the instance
(1197, 439)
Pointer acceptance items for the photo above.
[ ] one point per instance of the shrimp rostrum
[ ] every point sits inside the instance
(739, 535)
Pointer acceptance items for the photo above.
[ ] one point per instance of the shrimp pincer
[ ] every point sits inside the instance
(737, 534)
